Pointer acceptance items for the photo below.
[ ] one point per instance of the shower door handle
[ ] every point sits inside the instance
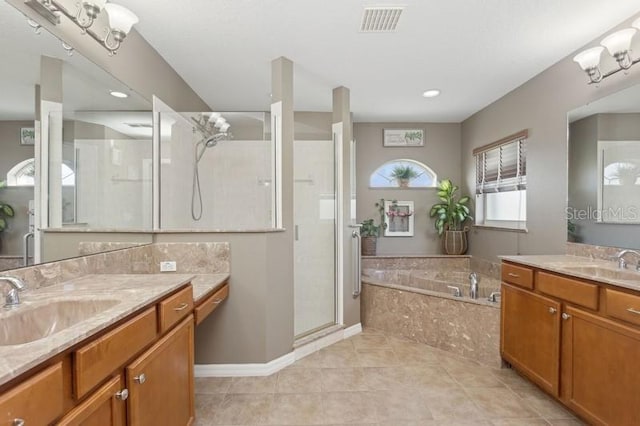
(355, 234)
(25, 248)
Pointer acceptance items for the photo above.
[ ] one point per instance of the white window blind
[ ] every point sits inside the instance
(502, 165)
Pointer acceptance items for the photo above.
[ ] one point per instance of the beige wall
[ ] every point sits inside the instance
(441, 152)
(540, 105)
(11, 153)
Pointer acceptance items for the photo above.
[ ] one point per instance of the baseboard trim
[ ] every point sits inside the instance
(268, 368)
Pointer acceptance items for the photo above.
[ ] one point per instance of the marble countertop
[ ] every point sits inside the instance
(128, 292)
(206, 284)
(601, 270)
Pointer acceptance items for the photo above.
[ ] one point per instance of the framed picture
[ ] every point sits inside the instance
(398, 216)
(403, 137)
(27, 136)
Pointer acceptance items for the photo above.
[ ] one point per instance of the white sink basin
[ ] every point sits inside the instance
(601, 272)
(27, 324)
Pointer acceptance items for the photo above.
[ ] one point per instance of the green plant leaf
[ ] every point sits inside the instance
(3, 224)
(7, 210)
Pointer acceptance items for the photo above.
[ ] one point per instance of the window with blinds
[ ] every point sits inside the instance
(501, 182)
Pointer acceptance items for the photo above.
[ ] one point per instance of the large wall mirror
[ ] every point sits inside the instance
(99, 163)
(604, 171)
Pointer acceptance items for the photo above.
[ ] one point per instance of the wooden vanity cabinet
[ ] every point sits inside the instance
(530, 338)
(600, 376)
(160, 381)
(105, 407)
(565, 334)
(38, 400)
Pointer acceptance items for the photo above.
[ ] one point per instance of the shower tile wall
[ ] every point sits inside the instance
(113, 184)
(235, 180)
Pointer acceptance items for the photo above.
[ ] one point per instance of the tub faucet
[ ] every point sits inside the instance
(12, 298)
(493, 296)
(456, 290)
(622, 264)
(473, 292)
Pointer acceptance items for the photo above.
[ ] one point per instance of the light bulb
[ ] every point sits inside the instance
(619, 42)
(121, 19)
(589, 58)
(220, 122)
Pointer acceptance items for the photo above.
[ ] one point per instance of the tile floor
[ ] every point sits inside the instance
(376, 379)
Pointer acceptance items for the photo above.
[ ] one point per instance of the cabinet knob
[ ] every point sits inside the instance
(552, 311)
(122, 395)
(141, 378)
(18, 422)
(565, 316)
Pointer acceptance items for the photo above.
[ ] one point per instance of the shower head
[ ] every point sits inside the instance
(212, 141)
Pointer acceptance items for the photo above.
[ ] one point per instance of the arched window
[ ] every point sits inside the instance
(24, 174)
(403, 173)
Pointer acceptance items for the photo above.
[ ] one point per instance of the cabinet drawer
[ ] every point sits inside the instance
(97, 360)
(574, 291)
(37, 401)
(623, 306)
(211, 303)
(517, 275)
(174, 308)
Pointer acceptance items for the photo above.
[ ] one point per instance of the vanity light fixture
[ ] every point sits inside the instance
(618, 45)
(431, 93)
(84, 14)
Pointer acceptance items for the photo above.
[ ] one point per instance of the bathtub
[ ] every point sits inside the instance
(412, 298)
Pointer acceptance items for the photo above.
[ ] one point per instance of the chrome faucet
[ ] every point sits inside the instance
(473, 292)
(12, 298)
(493, 296)
(622, 264)
(456, 290)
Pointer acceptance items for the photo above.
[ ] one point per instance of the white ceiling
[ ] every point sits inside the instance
(474, 51)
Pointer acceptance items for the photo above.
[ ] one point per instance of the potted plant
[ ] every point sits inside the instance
(403, 174)
(369, 231)
(450, 215)
(6, 211)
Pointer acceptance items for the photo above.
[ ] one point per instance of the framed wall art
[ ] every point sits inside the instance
(27, 136)
(403, 137)
(398, 217)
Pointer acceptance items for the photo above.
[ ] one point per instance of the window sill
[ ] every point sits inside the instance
(501, 228)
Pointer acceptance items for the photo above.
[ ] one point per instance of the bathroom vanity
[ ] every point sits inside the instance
(122, 352)
(572, 325)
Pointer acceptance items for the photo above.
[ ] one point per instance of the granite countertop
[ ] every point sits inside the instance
(206, 284)
(128, 292)
(582, 267)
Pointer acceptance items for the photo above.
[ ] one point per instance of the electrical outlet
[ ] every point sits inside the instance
(168, 266)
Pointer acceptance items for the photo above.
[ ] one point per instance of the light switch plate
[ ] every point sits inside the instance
(168, 266)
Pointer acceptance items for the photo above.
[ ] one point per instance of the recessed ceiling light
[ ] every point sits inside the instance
(431, 93)
(118, 94)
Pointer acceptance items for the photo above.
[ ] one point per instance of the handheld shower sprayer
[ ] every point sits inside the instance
(196, 192)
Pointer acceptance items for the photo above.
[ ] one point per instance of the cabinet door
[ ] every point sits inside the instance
(160, 381)
(105, 407)
(600, 377)
(36, 401)
(530, 335)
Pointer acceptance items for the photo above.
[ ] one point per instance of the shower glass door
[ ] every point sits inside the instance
(315, 235)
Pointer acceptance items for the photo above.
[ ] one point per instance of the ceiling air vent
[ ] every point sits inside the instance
(380, 19)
